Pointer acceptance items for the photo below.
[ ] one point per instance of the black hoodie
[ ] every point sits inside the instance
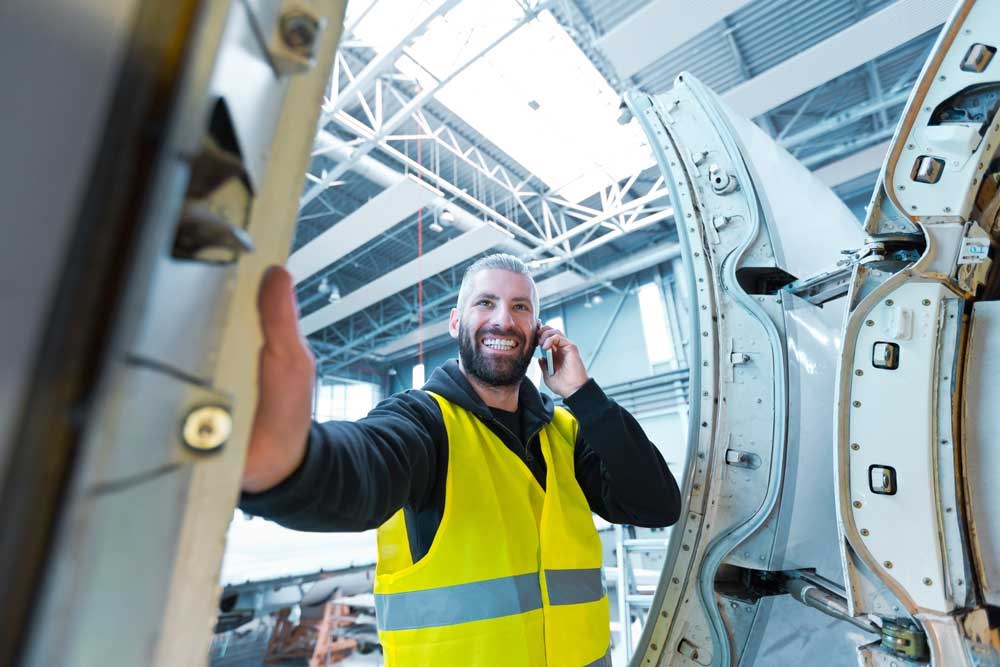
(355, 475)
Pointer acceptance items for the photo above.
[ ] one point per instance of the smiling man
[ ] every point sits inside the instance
(481, 489)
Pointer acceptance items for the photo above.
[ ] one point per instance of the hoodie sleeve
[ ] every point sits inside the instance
(355, 475)
(622, 474)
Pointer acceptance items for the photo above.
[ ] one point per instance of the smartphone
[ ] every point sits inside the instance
(546, 356)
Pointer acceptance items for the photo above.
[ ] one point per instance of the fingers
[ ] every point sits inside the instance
(279, 317)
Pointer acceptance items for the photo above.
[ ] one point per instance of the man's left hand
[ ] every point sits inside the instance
(569, 373)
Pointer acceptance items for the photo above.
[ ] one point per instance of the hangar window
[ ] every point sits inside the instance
(344, 400)
(659, 344)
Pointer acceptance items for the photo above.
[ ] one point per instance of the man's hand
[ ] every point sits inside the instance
(284, 387)
(569, 373)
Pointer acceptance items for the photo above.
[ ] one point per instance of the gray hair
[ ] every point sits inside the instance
(503, 262)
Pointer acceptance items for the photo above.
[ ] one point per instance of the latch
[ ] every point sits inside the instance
(741, 459)
(736, 359)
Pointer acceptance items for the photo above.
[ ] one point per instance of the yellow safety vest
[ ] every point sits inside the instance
(513, 577)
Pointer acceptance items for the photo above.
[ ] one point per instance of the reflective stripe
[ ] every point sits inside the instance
(574, 586)
(603, 661)
(461, 603)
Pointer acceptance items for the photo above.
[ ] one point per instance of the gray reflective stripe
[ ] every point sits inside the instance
(462, 603)
(574, 586)
(603, 661)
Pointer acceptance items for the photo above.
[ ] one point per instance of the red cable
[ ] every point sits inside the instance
(420, 283)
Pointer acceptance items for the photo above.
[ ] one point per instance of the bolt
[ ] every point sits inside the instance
(870, 323)
(299, 32)
(855, 446)
(207, 427)
(859, 372)
(889, 302)
(857, 504)
(927, 581)
(856, 404)
(888, 564)
(864, 532)
(926, 302)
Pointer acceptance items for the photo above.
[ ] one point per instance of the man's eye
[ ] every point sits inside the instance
(521, 306)
(483, 302)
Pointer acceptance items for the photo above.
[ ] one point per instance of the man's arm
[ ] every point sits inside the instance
(620, 471)
(338, 475)
(355, 475)
(622, 474)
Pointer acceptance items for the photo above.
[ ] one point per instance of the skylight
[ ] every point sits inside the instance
(535, 95)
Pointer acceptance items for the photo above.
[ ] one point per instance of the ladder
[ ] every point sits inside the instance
(632, 601)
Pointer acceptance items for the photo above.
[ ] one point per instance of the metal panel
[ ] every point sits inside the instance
(659, 27)
(377, 216)
(850, 48)
(861, 163)
(980, 429)
(451, 253)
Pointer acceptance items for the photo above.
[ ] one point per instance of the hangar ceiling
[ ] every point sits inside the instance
(454, 128)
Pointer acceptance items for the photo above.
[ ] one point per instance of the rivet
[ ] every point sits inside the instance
(685, 547)
(207, 427)
(856, 404)
(855, 446)
(704, 424)
(676, 580)
(864, 532)
(927, 581)
(663, 614)
(888, 564)
(652, 646)
(902, 187)
(926, 302)
(859, 372)
(870, 323)
(947, 209)
(857, 504)
(889, 302)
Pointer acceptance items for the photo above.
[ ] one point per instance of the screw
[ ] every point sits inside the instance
(857, 504)
(864, 532)
(927, 581)
(870, 323)
(856, 404)
(859, 372)
(855, 446)
(299, 32)
(207, 427)
(889, 302)
(888, 564)
(926, 302)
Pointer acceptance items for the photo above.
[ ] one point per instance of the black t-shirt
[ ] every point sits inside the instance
(531, 453)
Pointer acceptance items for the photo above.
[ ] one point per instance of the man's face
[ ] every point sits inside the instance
(496, 329)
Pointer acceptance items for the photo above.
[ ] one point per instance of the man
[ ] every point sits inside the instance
(481, 490)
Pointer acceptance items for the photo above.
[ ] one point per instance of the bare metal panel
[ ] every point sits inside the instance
(981, 436)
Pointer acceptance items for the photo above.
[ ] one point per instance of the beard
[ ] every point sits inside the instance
(494, 371)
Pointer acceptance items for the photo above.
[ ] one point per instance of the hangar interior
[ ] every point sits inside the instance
(451, 129)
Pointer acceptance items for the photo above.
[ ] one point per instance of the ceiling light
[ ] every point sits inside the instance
(446, 217)
(334, 294)
(324, 286)
(596, 299)
(435, 227)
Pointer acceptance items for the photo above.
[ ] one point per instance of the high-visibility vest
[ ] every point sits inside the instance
(513, 577)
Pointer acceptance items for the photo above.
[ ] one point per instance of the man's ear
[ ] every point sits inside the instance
(453, 320)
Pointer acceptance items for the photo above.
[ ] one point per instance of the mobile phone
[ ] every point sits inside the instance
(546, 356)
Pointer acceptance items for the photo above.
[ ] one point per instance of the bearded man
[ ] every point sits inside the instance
(481, 489)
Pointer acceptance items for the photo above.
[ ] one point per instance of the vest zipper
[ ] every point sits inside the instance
(524, 445)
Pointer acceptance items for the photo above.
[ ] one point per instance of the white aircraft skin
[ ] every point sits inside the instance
(830, 449)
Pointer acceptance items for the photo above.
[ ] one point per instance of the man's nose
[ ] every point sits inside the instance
(503, 316)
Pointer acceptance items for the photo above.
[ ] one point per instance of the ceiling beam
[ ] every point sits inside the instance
(560, 286)
(378, 215)
(657, 29)
(850, 48)
(443, 257)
